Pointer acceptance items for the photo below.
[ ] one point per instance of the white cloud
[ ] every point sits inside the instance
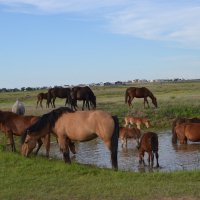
(160, 21)
(174, 21)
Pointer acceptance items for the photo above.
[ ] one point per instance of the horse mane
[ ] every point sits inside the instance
(48, 118)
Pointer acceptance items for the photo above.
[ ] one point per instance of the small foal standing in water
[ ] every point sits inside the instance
(149, 144)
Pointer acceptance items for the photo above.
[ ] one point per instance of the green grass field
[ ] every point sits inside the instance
(41, 178)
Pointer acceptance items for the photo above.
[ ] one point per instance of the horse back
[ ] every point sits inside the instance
(192, 131)
(85, 125)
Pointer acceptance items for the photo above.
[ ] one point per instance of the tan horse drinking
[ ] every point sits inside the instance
(76, 126)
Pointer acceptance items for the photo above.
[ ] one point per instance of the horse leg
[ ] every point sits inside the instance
(37, 104)
(141, 157)
(38, 146)
(46, 141)
(12, 142)
(41, 104)
(83, 105)
(152, 159)
(156, 154)
(64, 148)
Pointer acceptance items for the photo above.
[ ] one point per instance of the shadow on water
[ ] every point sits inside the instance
(171, 157)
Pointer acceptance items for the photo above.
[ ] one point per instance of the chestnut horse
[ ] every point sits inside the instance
(138, 92)
(180, 120)
(77, 126)
(136, 120)
(84, 94)
(187, 131)
(14, 124)
(40, 98)
(60, 92)
(125, 133)
(148, 143)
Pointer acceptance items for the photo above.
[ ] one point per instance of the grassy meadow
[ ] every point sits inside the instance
(41, 178)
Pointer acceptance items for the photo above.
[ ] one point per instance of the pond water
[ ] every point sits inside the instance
(171, 157)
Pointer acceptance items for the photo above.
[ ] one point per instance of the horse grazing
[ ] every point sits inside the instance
(60, 92)
(188, 131)
(40, 97)
(125, 133)
(178, 121)
(136, 120)
(81, 126)
(137, 92)
(14, 124)
(18, 108)
(148, 143)
(84, 94)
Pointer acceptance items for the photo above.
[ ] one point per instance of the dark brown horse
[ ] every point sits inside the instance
(136, 92)
(14, 124)
(178, 121)
(187, 131)
(84, 94)
(77, 126)
(125, 133)
(60, 92)
(40, 97)
(149, 144)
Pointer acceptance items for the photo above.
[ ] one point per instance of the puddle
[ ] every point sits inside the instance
(171, 157)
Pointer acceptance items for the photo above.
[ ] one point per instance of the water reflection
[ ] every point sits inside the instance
(171, 157)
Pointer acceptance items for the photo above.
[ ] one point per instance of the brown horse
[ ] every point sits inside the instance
(60, 92)
(180, 120)
(125, 133)
(14, 124)
(78, 126)
(137, 92)
(149, 144)
(84, 94)
(188, 131)
(136, 120)
(40, 97)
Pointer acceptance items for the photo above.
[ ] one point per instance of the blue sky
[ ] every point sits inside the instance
(57, 42)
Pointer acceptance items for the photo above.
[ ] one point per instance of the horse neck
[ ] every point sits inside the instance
(150, 94)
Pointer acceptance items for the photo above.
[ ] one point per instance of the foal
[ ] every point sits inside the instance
(149, 144)
(125, 133)
(136, 120)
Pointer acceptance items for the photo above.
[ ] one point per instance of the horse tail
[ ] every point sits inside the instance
(114, 143)
(174, 135)
(126, 96)
(154, 143)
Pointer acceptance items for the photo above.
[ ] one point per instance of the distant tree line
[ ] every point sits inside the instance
(22, 89)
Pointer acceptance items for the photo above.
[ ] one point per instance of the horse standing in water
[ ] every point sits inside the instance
(149, 144)
(14, 124)
(18, 108)
(179, 121)
(84, 94)
(76, 126)
(137, 92)
(187, 131)
(125, 133)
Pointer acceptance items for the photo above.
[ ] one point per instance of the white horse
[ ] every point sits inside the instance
(18, 108)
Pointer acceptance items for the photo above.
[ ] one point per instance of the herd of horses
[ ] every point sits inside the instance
(72, 95)
(68, 125)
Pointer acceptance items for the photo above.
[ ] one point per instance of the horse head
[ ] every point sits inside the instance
(154, 101)
(28, 145)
